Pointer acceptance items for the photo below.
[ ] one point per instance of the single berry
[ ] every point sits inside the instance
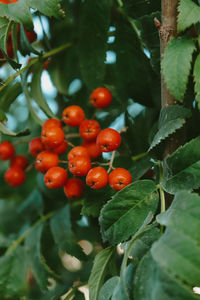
(79, 165)
(46, 160)
(74, 188)
(89, 129)
(19, 161)
(55, 177)
(73, 115)
(92, 148)
(97, 178)
(36, 146)
(15, 176)
(108, 140)
(7, 151)
(52, 137)
(119, 178)
(61, 149)
(52, 123)
(77, 151)
(101, 97)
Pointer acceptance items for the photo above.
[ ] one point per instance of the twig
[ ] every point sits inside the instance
(111, 161)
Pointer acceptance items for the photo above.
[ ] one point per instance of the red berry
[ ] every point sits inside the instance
(7, 150)
(77, 151)
(79, 165)
(74, 188)
(101, 97)
(89, 129)
(19, 161)
(97, 178)
(119, 178)
(73, 115)
(46, 160)
(108, 140)
(62, 148)
(36, 146)
(52, 123)
(46, 64)
(15, 176)
(55, 177)
(92, 148)
(52, 137)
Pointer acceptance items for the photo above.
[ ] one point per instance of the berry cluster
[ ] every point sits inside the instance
(52, 143)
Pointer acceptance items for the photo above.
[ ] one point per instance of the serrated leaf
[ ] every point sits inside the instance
(176, 65)
(165, 286)
(98, 272)
(50, 8)
(62, 233)
(36, 90)
(13, 269)
(183, 163)
(197, 79)
(107, 289)
(5, 25)
(189, 13)
(93, 30)
(33, 250)
(134, 203)
(171, 119)
(177, 250)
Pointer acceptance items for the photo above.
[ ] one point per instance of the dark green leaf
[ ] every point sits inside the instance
(9, 94)
(3, 117)
(50, 8)
(25, 47)
(5, 26)
(189, 13)
(93, 28)
(176, 65)
(107, 289)
(33, 205)
(123, 290)
(63, 235)
(12, 62)
(140, 167)
(33, 250)
(183, 163)
(98, 272)
(13, 269)
(134, 203)
(140, 8)
(197, 79)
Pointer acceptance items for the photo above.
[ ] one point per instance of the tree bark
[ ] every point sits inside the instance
(168, 30)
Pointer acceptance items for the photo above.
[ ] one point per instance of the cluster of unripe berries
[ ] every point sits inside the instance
(52, 143)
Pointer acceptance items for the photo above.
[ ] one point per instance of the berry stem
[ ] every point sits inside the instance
(29, 167)
(70, 144)
(24, 140)
(111, 161)
(137, 157)
(72, 135)
(63, 161)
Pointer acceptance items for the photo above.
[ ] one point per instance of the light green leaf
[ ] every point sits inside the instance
(6, 131)
(189, 13)
(176, 65)
(134, 203)
(62, 233)
(197, 79)
(93, 28)
(98, 272)
(184, 163)
(123, 290)
(171, 119)
(13, 269)
(177, 251)
(33, 250)
(107, 289)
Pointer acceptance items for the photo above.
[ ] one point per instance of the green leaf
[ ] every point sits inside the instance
(183, 163)
(36, 90)
(189, 13)
(107, 289)
(6, 131)
(165, 286)
(171, 119)
(9, 94)
(32, 206)
(12, 62)
(197, 79)
(33, 250)
(134, 202)
(50, 8)
(177, 251)
(123, 290)
(131, 60)
(176, 65)
(13, 269)
(98, 272)
(93, 28)
(5, 26)
(140, 167)
(63, 235)
(25, 47)
(3, 117)
(140, 8)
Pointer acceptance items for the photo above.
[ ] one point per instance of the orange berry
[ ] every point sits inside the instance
(52, 123)
(15, 176)
(36, 146)
(119, 178)
(108, 140)
(74, 188)
(19, 161)
(55, 177)
(7, 150)
(97, 178)
(46, 160)
(79, 165)
(52, 137)
(73, 115)
(77, 151)
(89, 129)
(92, 148)
(62, 148)
(101, 97)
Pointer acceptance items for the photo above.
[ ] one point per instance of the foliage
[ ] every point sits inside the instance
(121, 245)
